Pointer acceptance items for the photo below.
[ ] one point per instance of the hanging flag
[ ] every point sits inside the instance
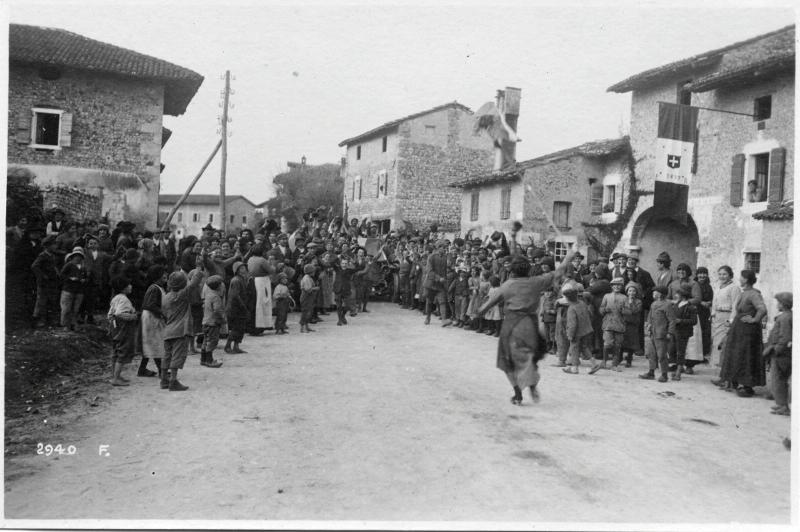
(677, 127)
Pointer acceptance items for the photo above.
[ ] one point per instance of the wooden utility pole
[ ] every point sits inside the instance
(224, 131)
(165, 225)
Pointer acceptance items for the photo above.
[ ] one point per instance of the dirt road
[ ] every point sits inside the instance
(388, 419)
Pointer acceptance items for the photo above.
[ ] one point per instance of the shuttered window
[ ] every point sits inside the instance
(385, 183)
(378, 186)
(45, 128)
(353, 195)
(475, 202)
(561, 214)
(597, 198)
(737, 180)
(505, 203)
(360, 188)
(777, 159)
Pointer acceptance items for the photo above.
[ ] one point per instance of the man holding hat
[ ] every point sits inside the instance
(73, 276)
(47, 296)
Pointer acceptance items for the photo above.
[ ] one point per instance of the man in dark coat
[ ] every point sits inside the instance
(435, 287)
(98, 290)
(48, 307)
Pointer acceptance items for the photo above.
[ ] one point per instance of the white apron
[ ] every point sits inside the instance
(152, 334)
(263, 302)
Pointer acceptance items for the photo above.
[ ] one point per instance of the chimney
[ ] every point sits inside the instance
(512, 97)
(303, 161)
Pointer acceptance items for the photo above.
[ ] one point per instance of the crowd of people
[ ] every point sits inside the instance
(165, 298)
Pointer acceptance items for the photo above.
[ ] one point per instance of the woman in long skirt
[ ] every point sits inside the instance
(722, 309)
(519, 347)
(742, 364)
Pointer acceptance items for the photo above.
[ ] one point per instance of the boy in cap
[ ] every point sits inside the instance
(282, 299)
(613, 325)
(177, 330)
(578, 328)
(73, 277)
(659, 328)
(213, 318)
(779, 354)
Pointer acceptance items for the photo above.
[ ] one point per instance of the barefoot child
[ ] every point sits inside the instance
(122, 321)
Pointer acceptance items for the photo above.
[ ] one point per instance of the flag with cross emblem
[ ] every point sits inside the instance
(677, 131)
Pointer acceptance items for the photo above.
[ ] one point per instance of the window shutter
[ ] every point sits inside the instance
(66, 130)
(378, 186)
(597, 199)
(776, 165)
(385, 184)
(737, 180)
(618, 198)
(360, 188)
(354, 190)
(24, 129)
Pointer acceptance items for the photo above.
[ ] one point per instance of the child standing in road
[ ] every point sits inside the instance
(658, 329)
(685, 320)
(282, 299)
(578, 329)
(547, 313)
(492, 316)
(459, 292)
(213, 318)
(779, 354)
(122, 319)
(308, 293)
(613, 325)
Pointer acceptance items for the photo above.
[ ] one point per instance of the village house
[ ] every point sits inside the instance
(399, 172)
(583, 184)
(86, 117)
(199, 210)
(739, 208)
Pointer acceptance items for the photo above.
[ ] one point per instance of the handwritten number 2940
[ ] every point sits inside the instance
(50, 450)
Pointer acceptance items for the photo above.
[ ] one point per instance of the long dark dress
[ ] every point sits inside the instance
(742, 362)
(519, 347)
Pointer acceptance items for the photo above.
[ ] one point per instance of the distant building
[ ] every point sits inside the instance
(727, 223)
(200, 210)
(584, 184)
(88, 115)
(400, 171)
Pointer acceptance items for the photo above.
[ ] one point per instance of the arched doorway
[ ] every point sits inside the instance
(657, 233)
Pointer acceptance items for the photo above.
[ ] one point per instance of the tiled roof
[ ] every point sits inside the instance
(394, 123)
(52, 46)
(784, 211)
(757, 48)
(763, 57)
(198, 199)
(595, 149)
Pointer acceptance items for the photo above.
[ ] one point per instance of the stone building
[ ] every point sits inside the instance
(88, 115)
(754, 77)
(400, 171)
(586, 184)
(200, 210)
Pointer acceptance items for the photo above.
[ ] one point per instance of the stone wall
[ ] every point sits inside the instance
(115, 148)
(77, 204)
(430, 159)
(776, 263)
(725, 232)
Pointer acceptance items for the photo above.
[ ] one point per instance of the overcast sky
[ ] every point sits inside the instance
(308, 76)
